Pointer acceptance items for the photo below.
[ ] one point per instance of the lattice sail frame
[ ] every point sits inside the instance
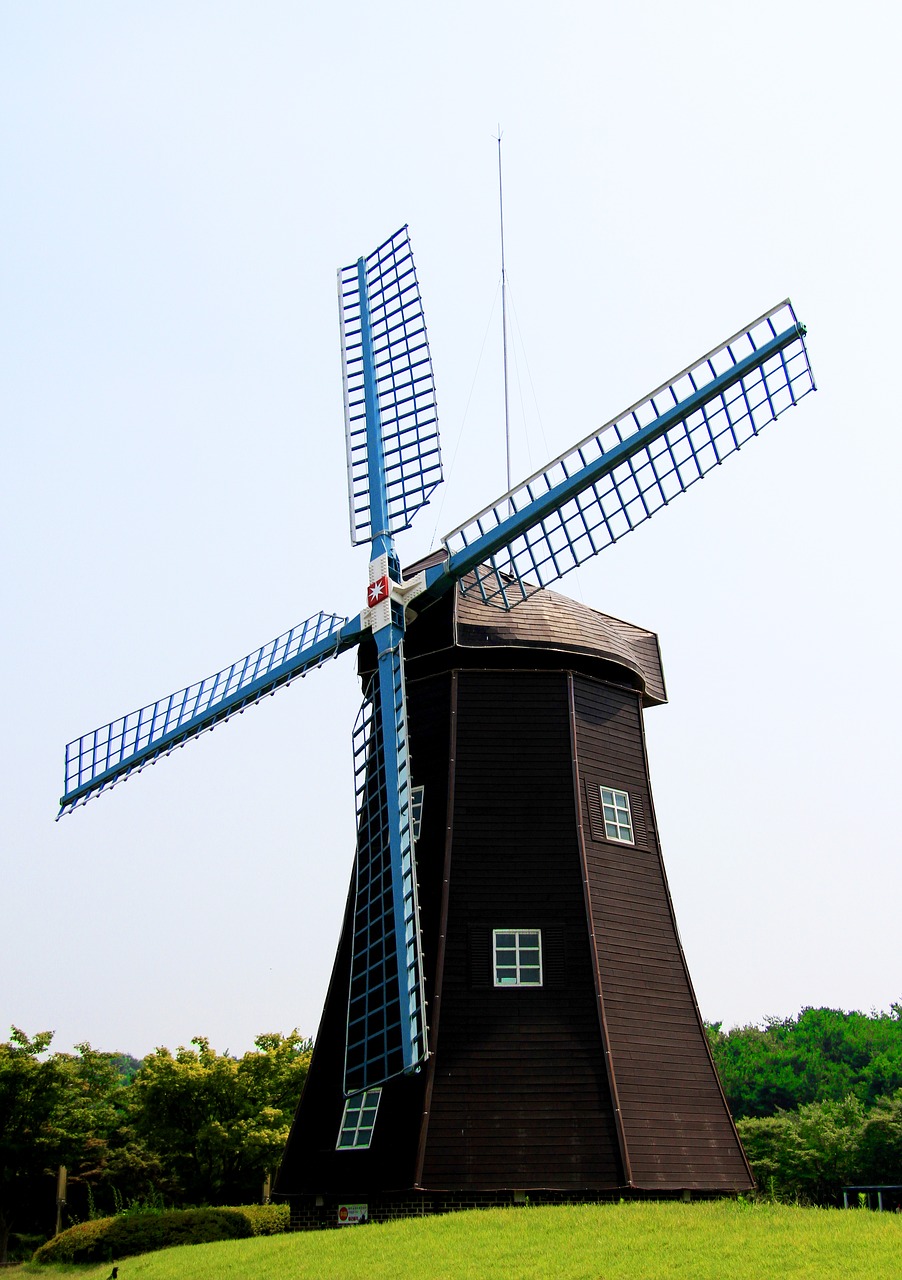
(405, 386)
(100, 759)
(682, 447)
(385, 999)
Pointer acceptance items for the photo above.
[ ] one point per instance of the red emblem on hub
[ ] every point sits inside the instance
(377, 591)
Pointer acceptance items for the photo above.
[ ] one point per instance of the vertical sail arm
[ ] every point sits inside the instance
(98, 760)
(386, 1030)
(386, 1004)
(623, 474)
(404, 386)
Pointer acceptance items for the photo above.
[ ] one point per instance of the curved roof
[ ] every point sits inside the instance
(549, 621)
(545, 622)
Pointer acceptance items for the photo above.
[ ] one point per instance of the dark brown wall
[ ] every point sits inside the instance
(519, 1096)
(676, 1125)
(519, 1092)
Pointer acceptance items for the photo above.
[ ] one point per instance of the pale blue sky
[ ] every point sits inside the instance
(180, 182)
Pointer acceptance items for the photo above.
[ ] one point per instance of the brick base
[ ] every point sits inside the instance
(317, 1213)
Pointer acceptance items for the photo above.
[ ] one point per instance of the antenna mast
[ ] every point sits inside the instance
(507, 432)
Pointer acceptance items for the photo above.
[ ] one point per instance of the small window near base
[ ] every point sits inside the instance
(416, 811)
(618, 822)
(358, 1121)
(517, 957)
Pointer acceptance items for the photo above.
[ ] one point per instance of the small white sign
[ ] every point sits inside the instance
(349, 1213)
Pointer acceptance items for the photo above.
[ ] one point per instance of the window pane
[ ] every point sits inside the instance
(615, 808)
(517, 957)
(359, 1120)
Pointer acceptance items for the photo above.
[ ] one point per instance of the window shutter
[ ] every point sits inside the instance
(554, 967)
(479, 951)
(593, 801)
(640, 832)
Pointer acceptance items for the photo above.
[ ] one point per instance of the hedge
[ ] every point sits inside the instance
(108, 1239)
(266, 1219)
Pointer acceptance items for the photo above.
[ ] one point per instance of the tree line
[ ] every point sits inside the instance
(194, 1127)
(817, 1100)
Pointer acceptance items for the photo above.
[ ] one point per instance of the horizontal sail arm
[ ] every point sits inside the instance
(620, 476)
(100, 759)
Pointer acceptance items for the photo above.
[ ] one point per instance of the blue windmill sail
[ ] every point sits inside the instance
(393, 466)
(386, 1033)
(621, 475)
(382, 292)
(100, 759)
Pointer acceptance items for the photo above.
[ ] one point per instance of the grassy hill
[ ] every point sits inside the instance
(590, 1242)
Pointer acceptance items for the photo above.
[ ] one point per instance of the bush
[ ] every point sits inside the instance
(266, 1219)
(106, 1239)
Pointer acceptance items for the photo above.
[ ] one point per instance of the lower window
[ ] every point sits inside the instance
(359, 1120)
(517, 957)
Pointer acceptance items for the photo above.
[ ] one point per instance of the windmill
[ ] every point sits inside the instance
(510, 1009)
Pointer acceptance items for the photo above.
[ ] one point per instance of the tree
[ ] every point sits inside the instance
(216, 1123)
(44, 1121)
(809, 1154)
(881, 1142)
(821, 1054)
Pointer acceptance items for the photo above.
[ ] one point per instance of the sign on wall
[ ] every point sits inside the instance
(350, 1213)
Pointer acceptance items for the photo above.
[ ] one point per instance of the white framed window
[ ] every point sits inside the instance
(517, 957)
(618, 821)
(358, 1121)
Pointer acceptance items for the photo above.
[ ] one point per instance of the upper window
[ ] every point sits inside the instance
(517, 957)
(618, 822)
(359, 1120)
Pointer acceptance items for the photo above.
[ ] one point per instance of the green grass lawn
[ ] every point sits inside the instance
(721, 1240)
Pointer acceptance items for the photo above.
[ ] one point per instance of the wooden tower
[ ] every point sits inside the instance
(593, 1076)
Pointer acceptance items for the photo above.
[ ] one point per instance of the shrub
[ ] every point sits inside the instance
(105, 1239)
(266, 1219)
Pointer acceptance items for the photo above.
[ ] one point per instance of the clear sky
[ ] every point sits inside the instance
(179, 183)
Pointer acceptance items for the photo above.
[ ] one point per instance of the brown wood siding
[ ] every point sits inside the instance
(518, 1093)
(520, 1096)
(677, 1129)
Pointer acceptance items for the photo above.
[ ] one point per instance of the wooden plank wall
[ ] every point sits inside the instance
(677, 1128)
(520, 1096)
(517, 1095)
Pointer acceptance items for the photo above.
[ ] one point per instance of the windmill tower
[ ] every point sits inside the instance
(510, 1012)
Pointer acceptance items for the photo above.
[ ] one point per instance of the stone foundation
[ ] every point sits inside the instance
(318, 1213)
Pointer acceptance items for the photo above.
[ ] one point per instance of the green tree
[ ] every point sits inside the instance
(821, 1054)
(881, 1143)
(50, 1105)
(216, 1123)
(808, 1154)
(113, 1164)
